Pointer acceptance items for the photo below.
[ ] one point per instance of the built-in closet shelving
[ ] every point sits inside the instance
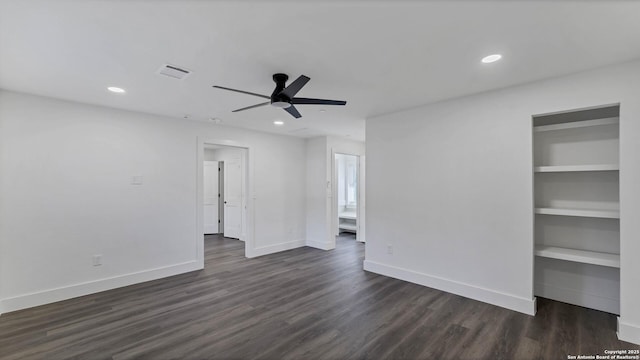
(577, 211)
(347, 221)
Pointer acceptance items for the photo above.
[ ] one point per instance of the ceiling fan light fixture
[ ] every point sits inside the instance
(281, 104)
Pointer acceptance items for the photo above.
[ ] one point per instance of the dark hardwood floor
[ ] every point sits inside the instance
(300, 304)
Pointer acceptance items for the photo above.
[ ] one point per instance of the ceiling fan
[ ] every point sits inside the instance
(284, 96)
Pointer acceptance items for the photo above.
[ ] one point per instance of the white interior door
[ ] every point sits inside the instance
(211, 197)
(233, 198)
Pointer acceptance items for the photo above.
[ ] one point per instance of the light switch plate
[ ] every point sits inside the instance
(136, 180)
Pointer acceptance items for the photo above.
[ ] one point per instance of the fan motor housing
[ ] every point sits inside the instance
(276, 98)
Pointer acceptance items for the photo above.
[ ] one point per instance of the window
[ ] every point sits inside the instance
(352, 182)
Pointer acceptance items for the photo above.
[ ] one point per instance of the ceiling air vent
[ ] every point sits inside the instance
(173, 71)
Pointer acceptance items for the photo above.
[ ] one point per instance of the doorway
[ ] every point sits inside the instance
(347, 198)
(224, 194)
(224, 204)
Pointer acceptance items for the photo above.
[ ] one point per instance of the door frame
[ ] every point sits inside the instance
(360, 196)
(248, 226)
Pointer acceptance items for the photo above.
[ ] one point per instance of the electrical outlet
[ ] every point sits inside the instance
(389, 249)
(97, 260)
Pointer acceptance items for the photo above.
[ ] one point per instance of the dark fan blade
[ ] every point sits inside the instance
(307, 101)
(293, 111)
(242, 92)
(293, 88)
(253, 106)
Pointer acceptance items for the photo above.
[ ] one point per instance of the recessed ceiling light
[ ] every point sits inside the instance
(491, 58)
(323, 110)
(116, 89)
(278, 122)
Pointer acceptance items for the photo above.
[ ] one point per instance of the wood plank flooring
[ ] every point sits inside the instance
(300, 304)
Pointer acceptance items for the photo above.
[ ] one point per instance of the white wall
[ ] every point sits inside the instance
(318, 194)
(222, 154)
(344, 146)
(450, 188)
(321, 215)
(2, 221)
(67, 195)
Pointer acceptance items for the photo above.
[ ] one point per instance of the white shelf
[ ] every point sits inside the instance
(608, 214)
(351, 227)
(348, 221)
(578, 206)
(349, 215)
(577, 124)
(581, 256)
(571, 168)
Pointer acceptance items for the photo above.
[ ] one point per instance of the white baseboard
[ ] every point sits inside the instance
(270, 249)
(91, 287)
(629, 333)
(512, 302)
(598, 302)
(321, 245)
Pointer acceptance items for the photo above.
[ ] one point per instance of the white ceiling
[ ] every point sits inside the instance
(380, 56)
